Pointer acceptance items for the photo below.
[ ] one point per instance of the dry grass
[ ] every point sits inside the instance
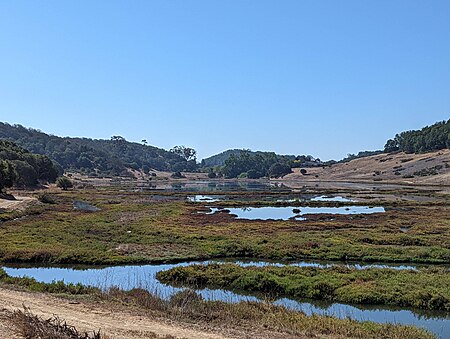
(256, 318)
(31, 326)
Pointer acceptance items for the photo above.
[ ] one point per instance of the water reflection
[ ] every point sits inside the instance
(292, 212)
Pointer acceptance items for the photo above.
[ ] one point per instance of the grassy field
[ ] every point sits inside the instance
(424, 289)
(134, 227)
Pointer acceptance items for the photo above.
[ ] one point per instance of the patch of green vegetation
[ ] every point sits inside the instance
(19, 167)
(424, 289)
(427, 139)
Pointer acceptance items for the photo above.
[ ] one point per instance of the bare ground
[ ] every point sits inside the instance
(19, 203)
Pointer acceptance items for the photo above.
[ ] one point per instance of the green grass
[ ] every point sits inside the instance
(134, 227)
(424, 289)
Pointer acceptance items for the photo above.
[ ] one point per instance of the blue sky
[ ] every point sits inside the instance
(324, 78)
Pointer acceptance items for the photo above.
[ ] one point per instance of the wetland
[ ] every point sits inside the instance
(351, 251)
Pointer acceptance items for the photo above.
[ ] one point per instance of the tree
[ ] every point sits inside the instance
(279, 169)
(7, 175)
(184, 152)
(391, 146)
(117, 138)
(211, 174)
(26, 174)
(64, 183)
(144, 142)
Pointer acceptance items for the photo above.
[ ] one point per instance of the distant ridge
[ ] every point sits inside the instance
(92, 156)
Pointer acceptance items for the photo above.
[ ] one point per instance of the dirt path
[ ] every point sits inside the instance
(117, 324)
(20, 202)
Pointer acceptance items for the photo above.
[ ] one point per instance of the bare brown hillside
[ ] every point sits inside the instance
(429, 168)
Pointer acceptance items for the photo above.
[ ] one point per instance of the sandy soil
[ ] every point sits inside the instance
(117, 324)
(19, 203)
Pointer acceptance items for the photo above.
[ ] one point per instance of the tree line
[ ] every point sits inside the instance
(253, 165)
(427, 139)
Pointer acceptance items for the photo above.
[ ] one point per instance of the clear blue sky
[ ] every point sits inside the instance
(325, 78)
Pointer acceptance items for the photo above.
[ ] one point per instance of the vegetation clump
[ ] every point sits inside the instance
(64, 183)
(19, 167)
(424, 289)
(32, 326)
(46, 198)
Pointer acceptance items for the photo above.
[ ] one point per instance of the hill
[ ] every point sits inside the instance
(221, 158)
(19, 167)
(92, 156)
(426, 168)
(244, 163)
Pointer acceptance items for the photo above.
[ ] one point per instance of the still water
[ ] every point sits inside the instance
(292, 212)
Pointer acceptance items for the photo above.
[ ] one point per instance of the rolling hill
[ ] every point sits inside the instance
(92, 156)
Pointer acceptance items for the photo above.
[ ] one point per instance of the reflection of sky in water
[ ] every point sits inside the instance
(284, 213)
(204, 198)
(128, 277)
(330, 198)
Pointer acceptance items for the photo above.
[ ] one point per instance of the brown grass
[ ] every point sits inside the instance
(257, 317)
(31, 326)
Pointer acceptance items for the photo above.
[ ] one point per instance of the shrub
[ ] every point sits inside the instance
(46, 198)
(64, 183)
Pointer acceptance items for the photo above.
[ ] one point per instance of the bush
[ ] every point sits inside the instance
(303, 171)
(64, 183)
(46, 198)
(279, 169)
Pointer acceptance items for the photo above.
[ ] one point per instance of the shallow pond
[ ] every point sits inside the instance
(292, 212)
(128, 277)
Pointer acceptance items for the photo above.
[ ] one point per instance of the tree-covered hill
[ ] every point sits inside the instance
(256, 164)
(427, 139)
(96, 156)
(220, 159)
(21, 168)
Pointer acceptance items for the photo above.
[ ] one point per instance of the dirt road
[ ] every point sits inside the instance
(117, 324)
